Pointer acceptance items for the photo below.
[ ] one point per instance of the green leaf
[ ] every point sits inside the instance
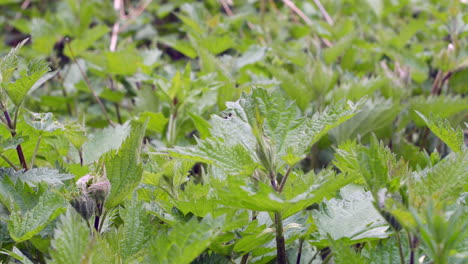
(18, 196)
(217, 44)
(344, 254)
(282, 124)
(44, 122)
(201, 124)
(18, 255)
(442, 129)
(123, 168)
(103, 141)
(156, 121)
(377, 6)
(181, 46)
(134, 235)
(353, 218)
(185, 241)
(10, 143)
(445, 181)
(9, 63)
(37, 175)
(71, 239)
(90, 36)
(331, 54)
(385, 252)
(18, 90)
(443, 106)
(375, 115)
(24, 225)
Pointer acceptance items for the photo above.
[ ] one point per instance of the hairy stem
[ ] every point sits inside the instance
(280, 245)
(9, 162)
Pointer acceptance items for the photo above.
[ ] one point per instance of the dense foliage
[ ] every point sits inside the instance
(244, 131)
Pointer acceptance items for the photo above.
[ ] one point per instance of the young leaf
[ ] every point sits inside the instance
(344, 254)
(9, 63)
(123, 168)
(353, 217)
(18, 90)
(71, 239)
(44, 122)
(185, 241)
(454, 138)
(24, 225)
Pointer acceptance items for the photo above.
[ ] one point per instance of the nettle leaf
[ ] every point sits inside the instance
(75, 134)
(103, 141)
(44, 122)
(24, 225)
(134, 235)
(18, 196)
(37, 175)
(18, 90)
(353, 218)
(290, 133)
(232, 146)
(10, 143)
(376, 164)
(454, 138)
(9, 63)
(442, 106)
(445, 181)
(300, 194)
(375, 115)
(386, 251)
(71, 239)
(17, 254)
(185, 241)
(344, 254)
(123, 168)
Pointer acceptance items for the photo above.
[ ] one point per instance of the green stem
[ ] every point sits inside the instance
(280, 245)
(400, 248)
(9, 162)
(36, 149)
(88, 83)
(327, 259)
(283, 181)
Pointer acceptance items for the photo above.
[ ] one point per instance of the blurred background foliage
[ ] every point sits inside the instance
(177, 62)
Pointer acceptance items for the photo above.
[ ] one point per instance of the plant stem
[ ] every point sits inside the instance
(285, 178)
(36, 149)
(299, 254)
(88, 83)
(327, 259)
(9, 162)
(400, 248)
(280, 245)
(19, 150)
(244, 259)
(80, 153)
(116, 105)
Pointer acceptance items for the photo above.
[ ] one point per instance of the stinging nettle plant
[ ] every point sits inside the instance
(257, 142)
